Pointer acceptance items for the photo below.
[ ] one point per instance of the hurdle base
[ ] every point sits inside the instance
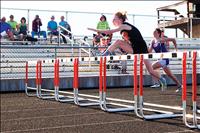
(90, 102)
(161, 116)
(119, 109)
(65, 99)
(30, 94)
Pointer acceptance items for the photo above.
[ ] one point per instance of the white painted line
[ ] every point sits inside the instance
(76, 125)
(54, 116)
(184, 131)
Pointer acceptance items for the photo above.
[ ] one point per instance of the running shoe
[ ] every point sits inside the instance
(156, 85)
(179, 89)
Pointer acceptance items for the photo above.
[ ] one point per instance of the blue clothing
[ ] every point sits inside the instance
(64, 24)
(43, 33)
(5, 27)
(160, 48)
(52, 25)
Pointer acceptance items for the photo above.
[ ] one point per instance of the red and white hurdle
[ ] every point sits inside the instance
(82, 99)
(194, 123)
(140, 112)
(101, 100)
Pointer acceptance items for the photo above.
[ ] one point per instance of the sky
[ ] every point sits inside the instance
(79, 21)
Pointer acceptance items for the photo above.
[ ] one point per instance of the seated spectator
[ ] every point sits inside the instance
(22, 29)
(66, 25)
(102, 25)
(52, 28)
(104, 42)
(5, 29)
(96, 39)
(13, 25)
(36, 24)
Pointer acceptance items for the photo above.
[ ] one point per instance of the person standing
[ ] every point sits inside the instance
(36, 28)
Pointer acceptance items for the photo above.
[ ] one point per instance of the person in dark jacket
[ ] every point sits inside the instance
(36, 30)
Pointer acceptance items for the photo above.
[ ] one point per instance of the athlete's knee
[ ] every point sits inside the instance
(118, 41)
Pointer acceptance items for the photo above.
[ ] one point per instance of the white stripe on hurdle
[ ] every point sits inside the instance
(32, 62)
(168, 55)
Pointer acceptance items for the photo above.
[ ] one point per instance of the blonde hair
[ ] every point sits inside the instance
(121, 15)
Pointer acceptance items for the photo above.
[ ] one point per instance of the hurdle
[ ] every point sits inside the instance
(141, 101)
(28, 88)
(83, 99)
(103, 87)
(42, 93)
(38, 81)
(58, 96)
(117, 102)
(194, 123)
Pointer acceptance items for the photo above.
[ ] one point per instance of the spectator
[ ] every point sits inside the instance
(52, 28)
(6, 29)
(22, 29)
(66, 25)
(36, 24)
(13, 25)
(102, 25)
(104, 42)
(96, 38)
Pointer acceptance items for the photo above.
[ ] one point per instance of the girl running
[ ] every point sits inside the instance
(135, 43)
(159, 46)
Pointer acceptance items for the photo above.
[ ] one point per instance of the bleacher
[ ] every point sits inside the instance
(13, 57)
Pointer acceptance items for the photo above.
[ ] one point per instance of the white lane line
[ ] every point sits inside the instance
(76, 125)
(27, 110)
(46, 117)
(184, 131)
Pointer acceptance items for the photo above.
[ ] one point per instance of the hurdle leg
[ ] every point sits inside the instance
(193, 124)
(82, 99)
(43, 93)
(141, 101)
(27, 88)
(104, 103)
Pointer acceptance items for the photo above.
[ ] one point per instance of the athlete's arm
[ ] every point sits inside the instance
(150, 49)
(111, 31)
(173, 41)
